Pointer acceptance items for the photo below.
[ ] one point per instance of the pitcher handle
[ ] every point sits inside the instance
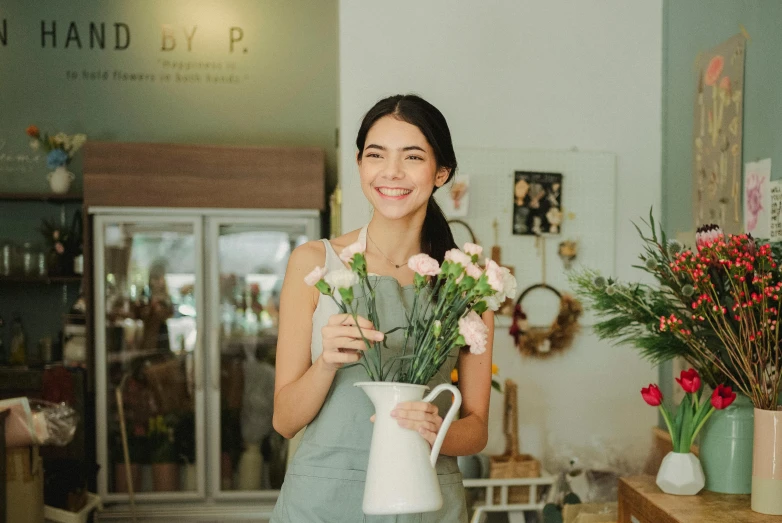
(457, 402)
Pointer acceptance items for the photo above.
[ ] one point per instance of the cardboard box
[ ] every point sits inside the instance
(24, 485)
(590, 513)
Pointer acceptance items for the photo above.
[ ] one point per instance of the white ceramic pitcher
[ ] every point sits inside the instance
(401, 475)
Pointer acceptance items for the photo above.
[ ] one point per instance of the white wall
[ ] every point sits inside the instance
(532, 75)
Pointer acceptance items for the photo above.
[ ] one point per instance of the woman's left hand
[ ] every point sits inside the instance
(420, 416)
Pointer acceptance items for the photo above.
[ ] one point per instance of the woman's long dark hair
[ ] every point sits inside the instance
(436, 236)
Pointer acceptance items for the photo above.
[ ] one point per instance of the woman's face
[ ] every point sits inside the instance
(398, 169)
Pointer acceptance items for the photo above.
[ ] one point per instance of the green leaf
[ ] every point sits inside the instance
(685, 434)
(480, 307)
(677, 427)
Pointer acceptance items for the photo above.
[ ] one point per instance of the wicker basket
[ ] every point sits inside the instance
(512, 464)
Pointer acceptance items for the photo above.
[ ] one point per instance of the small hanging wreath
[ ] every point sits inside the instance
(543, 342)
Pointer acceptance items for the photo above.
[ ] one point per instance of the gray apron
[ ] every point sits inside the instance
(325, 480)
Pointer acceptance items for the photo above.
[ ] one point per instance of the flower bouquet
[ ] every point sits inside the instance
(61, 148)
(680, 471)
(445, 314)
(629, 312)
(736, 288)
(737, 293)
(707, 307)
(446, 308)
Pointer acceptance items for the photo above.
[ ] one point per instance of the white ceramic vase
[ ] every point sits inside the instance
(401, 475)
(767, 462)
(681, 474)
(60, 179)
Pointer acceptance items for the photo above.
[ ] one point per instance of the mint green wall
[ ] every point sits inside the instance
(690, 27)
(698, 25)
(286, 92)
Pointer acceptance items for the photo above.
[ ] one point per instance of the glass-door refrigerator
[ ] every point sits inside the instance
(186, 314)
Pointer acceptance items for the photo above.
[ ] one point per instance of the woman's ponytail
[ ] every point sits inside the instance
(436, 235)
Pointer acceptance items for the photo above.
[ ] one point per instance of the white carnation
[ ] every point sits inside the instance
(341, 279)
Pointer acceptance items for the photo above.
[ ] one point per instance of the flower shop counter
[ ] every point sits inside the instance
(641, 501)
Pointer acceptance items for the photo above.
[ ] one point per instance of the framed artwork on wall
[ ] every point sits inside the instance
(718, 136)
(456, 202)
(537, 203)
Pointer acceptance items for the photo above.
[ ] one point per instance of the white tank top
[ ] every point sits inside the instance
(326, 306)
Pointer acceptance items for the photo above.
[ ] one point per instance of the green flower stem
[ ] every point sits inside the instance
(701, 424)
(667, 418)
(354, 314)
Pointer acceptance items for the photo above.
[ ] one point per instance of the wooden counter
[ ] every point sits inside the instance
(641, 501)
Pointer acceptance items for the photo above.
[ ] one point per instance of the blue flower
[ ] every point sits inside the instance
(56, 158)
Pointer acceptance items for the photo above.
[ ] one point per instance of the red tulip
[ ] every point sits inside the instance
(689, 380)
(652, 395)
(722, 397)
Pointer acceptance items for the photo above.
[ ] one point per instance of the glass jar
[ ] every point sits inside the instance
(29, 260)
(41, 269)
(6, 259)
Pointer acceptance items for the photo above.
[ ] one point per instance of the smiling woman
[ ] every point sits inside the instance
(404, 154)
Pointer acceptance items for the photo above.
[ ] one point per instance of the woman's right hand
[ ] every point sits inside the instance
(342, 342)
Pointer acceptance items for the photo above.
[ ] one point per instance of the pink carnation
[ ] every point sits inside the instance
(457, 256)
(494, 273)
(474, 271)
(315, 276)
(473, 249)
(475, 332)
(351, 250)
(424, 265)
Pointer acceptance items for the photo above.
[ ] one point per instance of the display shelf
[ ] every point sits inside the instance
(46, 280)
(40, 197)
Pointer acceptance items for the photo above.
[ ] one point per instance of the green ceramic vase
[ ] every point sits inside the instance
(726, 448)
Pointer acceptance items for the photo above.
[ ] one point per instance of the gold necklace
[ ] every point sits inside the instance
(384, 254)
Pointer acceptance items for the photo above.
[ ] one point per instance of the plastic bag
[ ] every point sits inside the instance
(38, 422)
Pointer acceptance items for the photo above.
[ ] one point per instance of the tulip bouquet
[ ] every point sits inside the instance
(447, 305)
(692, 413)
(61, 147)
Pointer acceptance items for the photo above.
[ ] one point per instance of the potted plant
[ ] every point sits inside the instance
(445, 314)
(61, 148)
(738, 293)
(680, 471)
(630, 312)
(63, 243)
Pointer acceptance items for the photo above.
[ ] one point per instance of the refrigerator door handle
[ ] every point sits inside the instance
(199, 364)
(214, 359)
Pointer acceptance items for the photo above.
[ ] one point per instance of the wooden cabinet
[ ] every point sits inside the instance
(641, 501)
